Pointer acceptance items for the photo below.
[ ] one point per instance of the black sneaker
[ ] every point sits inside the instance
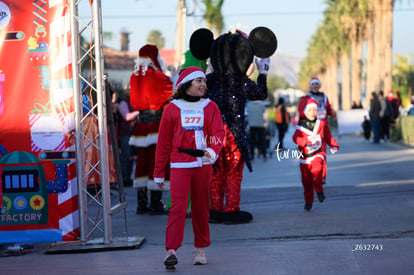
(308, 206)
(321, 196)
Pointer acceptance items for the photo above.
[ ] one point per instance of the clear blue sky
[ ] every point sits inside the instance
(293, 21)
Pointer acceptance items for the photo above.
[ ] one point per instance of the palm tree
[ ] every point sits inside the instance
(323, 59)
(372, 58)
(343, 35)
(360, 21)
(386, 41)
(155, 38)
(312, 64)
(337, 11)
(213, 16)
(332, 47)
(379, 45)
(355, 14)
(403, 75)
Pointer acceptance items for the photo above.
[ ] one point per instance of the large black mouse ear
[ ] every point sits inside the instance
(200, 43)
(264, 42)
(231, 53)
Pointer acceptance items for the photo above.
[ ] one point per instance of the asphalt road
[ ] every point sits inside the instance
(365, 226)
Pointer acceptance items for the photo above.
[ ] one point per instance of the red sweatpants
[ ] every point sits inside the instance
(182, 180)
(312, 178)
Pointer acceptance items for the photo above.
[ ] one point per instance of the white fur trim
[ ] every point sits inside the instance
(315, 80)
(139, 183)
(213, 154)
(152, 185)
(197, 163)
(309, 132)
(144, 63)
(308, 106)
(140, 141)
(161, 62)
(309, 160)
(190, 77)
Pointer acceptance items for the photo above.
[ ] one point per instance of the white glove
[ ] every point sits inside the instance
(334, 150)
(263, 65)
(161, 185)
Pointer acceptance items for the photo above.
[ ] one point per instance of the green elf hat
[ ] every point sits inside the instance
(190, 60)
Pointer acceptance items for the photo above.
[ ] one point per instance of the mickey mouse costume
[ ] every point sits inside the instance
(230, 55)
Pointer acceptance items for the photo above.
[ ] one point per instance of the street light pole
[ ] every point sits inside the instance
(180, 32)
(181, 28)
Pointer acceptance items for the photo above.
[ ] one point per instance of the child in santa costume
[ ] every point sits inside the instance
(190, 139)
(150, 92)
(324, 109)
(311, 136)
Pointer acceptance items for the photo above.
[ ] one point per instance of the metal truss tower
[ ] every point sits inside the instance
(95, 208)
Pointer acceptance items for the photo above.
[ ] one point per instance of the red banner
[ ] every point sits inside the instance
(38, 190)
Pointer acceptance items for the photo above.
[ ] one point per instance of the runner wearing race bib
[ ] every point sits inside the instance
(324, 110)
(190, 138)
(311, 136)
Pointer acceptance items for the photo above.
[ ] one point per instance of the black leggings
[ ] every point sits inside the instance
(281, 128)
(258, 139)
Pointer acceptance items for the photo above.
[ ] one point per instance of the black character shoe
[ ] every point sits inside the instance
(321, 196)
(215, 216)
(236, 217)
(308, 206)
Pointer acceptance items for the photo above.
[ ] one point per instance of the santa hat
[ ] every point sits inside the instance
(149, 56)
(188, 74)
(305, 104)
(314, 80)
(390, 96)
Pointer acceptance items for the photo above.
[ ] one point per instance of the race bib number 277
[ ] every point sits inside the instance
(192, 119)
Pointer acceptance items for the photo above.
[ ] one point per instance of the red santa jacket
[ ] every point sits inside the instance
(150, 91)
(311, 142)
(324, 107)
(188, 125)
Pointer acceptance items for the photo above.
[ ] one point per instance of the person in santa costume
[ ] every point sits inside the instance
(312, 135)
(189, 141)
(324, 109)
(231, 56)
(150, 93)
